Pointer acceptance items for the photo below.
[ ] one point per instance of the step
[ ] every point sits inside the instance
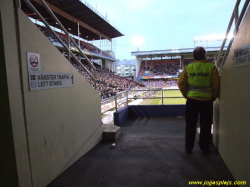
(111, 132)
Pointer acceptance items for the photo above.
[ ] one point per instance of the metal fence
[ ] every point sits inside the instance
(126, 97)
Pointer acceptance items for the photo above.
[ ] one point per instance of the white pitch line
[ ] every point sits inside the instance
(136, 102)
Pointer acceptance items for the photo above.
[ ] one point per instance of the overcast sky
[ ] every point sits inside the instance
(164, 24)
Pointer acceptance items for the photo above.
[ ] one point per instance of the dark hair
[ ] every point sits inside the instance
(199, 53)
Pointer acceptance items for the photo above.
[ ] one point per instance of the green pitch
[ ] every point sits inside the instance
(169, 101)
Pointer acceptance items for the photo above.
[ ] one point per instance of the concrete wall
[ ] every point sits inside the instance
(147, 111)
(8, 168)
(234, 107)
(51, 128)
(138, 65)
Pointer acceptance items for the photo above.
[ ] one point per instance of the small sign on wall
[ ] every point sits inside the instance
(34, 63)
(48, 80)
(242, 56)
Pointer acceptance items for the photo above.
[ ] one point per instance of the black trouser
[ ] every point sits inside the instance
(193, 109)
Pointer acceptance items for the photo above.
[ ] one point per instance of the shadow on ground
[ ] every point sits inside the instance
(149, 153)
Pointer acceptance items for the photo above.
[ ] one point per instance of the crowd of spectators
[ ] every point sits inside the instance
(160, 67)
(154, 83)
(187, 61)
(166, 67)
(107, 83)
(88, 47)
(163, 67)
(171, 82)
(160, 83)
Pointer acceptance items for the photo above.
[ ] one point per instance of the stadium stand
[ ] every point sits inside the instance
(166, 67)
(84, 45)
(159, 67)
(154, 84)
(142, 68)
(108, 84)
(188, 61)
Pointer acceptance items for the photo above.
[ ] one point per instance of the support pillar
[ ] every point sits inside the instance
(68, 45)
(182, 63)
(103, 64)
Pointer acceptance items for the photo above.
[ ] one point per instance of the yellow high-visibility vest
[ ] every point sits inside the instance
(199, 79)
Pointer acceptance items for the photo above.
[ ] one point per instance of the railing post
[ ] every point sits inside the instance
(18, 3)
(236, 17)
(95, 85)
(127, 97)
(78, 34)
(162, 95)
(116, 102)
(68, 45)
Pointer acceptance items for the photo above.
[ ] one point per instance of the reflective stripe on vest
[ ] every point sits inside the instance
(199, 79)
(207, 89)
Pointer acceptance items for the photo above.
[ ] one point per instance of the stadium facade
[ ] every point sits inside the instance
(126, 68)
(178, 54)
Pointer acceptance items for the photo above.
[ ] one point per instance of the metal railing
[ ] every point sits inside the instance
(238, 21)
(69, 38)
(123, 99)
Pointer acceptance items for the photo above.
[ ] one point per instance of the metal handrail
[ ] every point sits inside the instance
(63, 44)
(125, 100)
(118, 99)
(154, 97)
(66, 32)
(238, 22)
(227, 32)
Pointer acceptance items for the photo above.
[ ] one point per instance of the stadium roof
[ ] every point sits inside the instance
(187, 53)
(69, 12)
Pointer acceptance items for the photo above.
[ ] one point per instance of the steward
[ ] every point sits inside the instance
(199, 84)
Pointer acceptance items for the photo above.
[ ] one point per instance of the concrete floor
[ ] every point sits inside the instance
(149, 153)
